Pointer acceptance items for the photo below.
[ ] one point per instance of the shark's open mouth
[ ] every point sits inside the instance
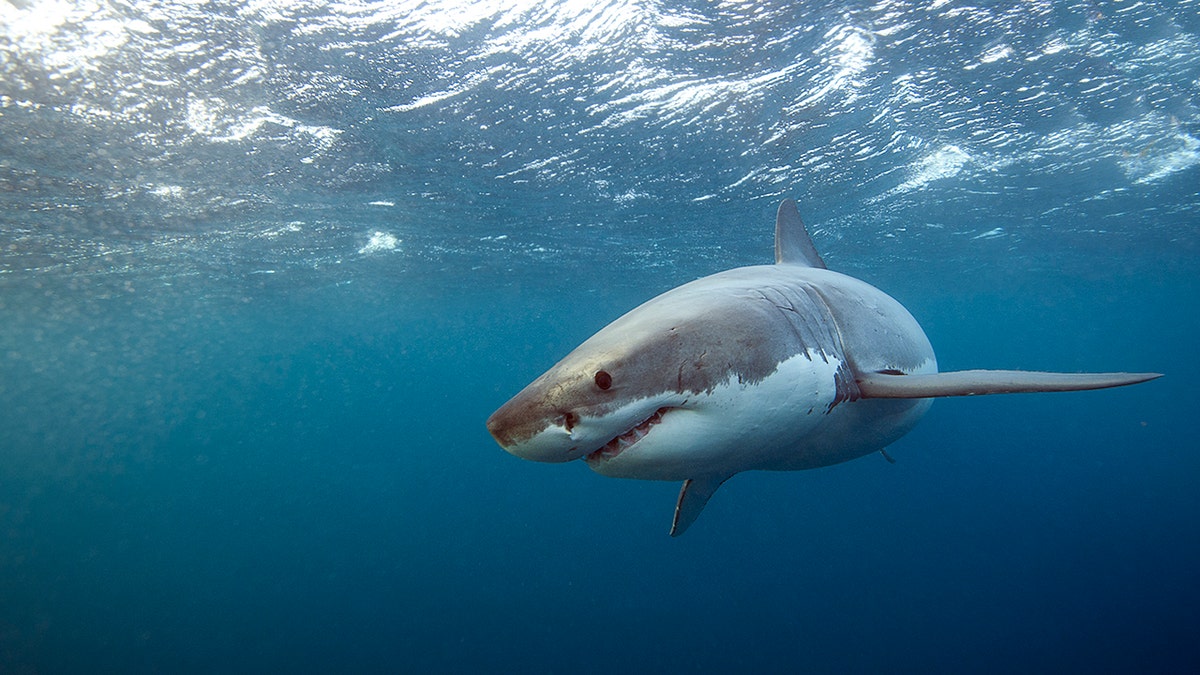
(619, 444)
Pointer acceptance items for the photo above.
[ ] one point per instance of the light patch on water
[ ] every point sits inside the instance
(37, 29)
(545, 166)
(167, 191)
(991, 55)
(686, 101)
(381, 203)
(26, 23)
(947, 162)
(292, 227)
(200, 118)
(437, 97)
(630, 196)
(1147, 149)
(380, 242)
(1177, 153)
(1054, 45)
(847, 53)
(852, 52)
(597, 25)
(219, 122)
(990, 234)
(997, 53)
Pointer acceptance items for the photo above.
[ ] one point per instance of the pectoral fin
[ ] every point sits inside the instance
(976, 382)
(692, 498)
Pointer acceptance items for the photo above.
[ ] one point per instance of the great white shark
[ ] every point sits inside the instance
(772, 367)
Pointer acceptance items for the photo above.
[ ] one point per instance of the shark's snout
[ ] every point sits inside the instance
(528, 430)
(498, 426)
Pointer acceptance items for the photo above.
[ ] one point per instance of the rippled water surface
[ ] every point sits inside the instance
(266, 267)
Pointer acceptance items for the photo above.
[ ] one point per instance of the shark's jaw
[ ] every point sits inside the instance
(621, 443)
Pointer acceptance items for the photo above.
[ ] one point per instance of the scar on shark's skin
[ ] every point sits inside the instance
(772, 367)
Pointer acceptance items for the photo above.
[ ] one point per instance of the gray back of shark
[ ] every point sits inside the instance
(775, 367)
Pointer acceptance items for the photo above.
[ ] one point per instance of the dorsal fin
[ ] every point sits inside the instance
(793, 246)
(977, 382)
(692, 497)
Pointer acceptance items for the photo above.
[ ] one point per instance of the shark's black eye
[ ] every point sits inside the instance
(603, 379)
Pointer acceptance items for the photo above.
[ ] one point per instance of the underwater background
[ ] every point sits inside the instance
(267, 267)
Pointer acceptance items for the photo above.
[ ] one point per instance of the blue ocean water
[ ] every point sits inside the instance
(266, 268)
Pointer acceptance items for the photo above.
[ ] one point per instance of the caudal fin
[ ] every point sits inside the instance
(977, 382)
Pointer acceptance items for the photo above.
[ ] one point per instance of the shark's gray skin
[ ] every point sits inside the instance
(776, 367)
